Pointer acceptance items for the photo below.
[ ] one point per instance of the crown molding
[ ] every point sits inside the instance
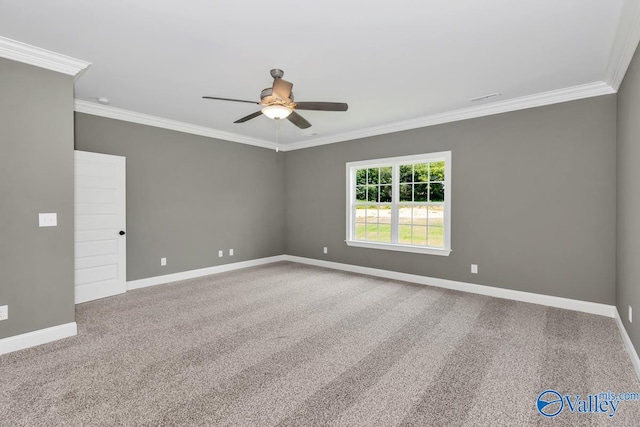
(32, 55)
(531, 101)
(149, 120)
(625, 43)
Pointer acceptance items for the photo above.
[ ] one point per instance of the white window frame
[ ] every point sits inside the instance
(395, 163)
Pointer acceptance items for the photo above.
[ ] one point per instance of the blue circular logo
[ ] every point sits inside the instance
(550, 403)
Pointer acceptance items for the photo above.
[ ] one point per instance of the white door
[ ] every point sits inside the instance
(100, 240)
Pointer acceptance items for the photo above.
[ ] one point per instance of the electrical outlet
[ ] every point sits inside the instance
(48, 220)
(163, 261)
(630, 314)
(4, 312)
(324, 250)
(220, 254)
(230, 252)
(474, 268)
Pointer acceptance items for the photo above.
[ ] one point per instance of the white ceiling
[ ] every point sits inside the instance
(390, 61)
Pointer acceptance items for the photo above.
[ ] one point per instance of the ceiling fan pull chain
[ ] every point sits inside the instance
(277, 135)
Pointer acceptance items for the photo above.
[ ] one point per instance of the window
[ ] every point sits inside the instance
(401, 203)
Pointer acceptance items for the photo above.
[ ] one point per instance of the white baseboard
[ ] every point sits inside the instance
(191, 274)
(54, 333)
(552, 301)
(41, 336)
(559, 302)
(633, 354)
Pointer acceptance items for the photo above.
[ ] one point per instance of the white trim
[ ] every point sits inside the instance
(551, 301)
(624, 44)
(546, 98)
(32, 55)
(159, 122)
(34, 338)
(397, 247)
(168, 278)
(628, 345)
(412, 158)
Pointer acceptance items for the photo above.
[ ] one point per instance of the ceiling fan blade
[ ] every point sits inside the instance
(249, 117)
(281, 89)
(298, 120)
(229, 99)
(322, 106)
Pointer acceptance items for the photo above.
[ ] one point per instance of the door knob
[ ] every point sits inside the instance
(122, 233)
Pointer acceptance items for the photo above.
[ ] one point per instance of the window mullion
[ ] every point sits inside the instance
(352, 202)
(395, 195)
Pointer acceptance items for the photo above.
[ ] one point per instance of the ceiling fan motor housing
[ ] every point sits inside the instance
(266, 96)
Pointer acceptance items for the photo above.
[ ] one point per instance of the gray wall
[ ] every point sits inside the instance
(533, 200)
(36, 175)
(628, 272)
(190, 196)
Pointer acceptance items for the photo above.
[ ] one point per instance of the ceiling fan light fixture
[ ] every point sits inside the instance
(277, 112)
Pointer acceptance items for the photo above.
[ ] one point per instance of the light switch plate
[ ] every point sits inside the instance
(48, 219)
(4, 312)
(474, 268)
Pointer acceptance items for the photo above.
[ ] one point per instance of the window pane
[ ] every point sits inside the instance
(361, 176)
(436, 216)
(437, 171)
(419, 236)
(384, 215)
(385, 175)
(404, 234)
(436, 237)
(436, 193)
(372, 193)
(372, 232)
(385, 193)
(419, 215)
(406, 173)
(385, 233)
(372, 175)
(421, 172)
(420, 192)
(405, 193)
(372, 214)
(401, 201)
(361, 212)
(404, 215)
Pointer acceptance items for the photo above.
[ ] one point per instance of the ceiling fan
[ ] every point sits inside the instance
(277, 102)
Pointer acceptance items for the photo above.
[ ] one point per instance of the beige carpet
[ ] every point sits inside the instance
(287, 344)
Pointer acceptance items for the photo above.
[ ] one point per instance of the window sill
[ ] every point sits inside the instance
(400, 248)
